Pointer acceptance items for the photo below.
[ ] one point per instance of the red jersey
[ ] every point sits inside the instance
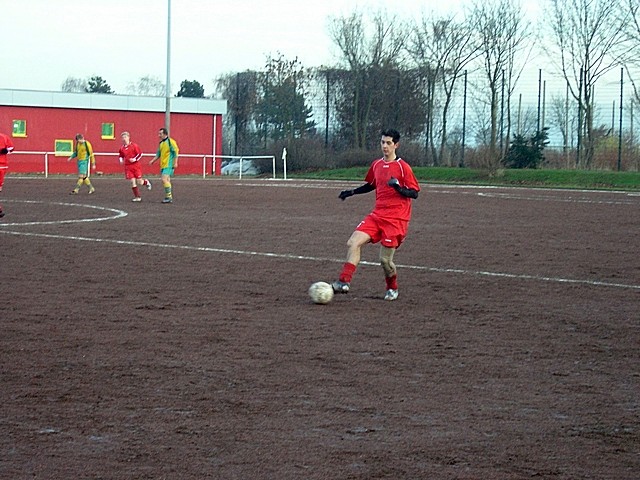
(389, 203)
(5, 144)
(130, 153)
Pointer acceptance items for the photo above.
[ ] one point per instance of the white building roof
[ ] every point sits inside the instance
(103, 101)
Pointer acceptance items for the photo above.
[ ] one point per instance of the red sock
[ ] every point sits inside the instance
(392, 282)
(348, 269)
(136, 191)
(146, 182)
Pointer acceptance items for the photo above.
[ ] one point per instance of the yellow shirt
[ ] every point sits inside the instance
(84, 151)
(167, 152)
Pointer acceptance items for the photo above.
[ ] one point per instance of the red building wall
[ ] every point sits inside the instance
(192, 132)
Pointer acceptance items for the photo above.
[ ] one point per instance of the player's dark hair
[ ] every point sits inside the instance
(164, 131)
(390, 132)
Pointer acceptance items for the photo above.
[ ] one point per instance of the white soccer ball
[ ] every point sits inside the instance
(321, 293)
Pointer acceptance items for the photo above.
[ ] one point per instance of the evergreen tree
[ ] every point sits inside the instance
(282, 111)
(191, 88)
(98, 85)
(527, 153)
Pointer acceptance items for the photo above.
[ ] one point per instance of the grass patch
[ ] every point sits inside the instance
(587, 179)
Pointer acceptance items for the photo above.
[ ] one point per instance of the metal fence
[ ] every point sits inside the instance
(539, 100)
(48, 163)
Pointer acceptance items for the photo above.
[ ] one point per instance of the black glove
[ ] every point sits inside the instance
(393, 182)
(345, 194)
(4, 151)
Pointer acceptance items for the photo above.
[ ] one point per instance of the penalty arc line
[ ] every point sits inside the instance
(117, 214)
(458, 271)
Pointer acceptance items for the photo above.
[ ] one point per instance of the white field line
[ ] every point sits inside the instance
(510, 196)
(479, 190)
(121, 213)
(287, 256)
(117, 214)
(518, 192)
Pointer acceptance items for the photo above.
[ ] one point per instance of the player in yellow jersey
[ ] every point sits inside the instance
(168, 155)
(83, 152)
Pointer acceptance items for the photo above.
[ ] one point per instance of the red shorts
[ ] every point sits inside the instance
(3, 171)
(389, 232)
(133, 170)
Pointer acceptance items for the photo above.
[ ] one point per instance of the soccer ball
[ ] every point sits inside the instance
(321, 293)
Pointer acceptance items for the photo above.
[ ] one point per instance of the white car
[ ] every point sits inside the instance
(232, 167)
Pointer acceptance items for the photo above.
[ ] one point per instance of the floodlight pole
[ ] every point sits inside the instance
(167, 113)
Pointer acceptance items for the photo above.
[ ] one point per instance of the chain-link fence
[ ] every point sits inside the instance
(462, 128)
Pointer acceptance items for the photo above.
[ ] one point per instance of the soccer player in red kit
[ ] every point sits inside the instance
(395, 185)
(6, 147)
(130, 155)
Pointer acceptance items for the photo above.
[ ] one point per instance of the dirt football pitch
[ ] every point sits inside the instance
(151, 341)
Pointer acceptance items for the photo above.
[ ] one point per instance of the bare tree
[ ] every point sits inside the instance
(564, 118)
(73, 84)
(148, 85)
(367, 49)
(632, 35)
(240, 90)
(505, 43)
(587, 35)
(94, 84)
(441, 48)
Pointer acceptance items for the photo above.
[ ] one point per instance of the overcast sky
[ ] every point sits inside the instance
(47, 41)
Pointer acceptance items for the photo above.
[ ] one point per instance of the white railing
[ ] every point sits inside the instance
(114, 166)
